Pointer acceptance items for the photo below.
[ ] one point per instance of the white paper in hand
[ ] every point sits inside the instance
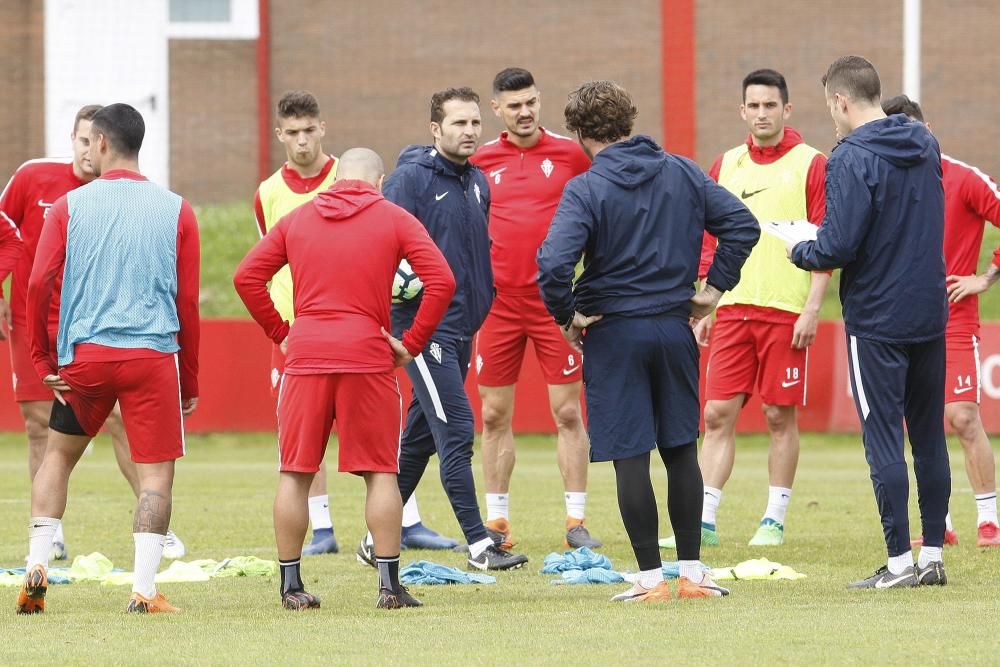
(791, 231)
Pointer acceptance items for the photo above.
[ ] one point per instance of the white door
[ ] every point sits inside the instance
(106, 51)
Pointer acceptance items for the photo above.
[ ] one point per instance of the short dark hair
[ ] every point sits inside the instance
(85, 113)
(122, 126)
(512, 78)
(854, 76)
(438, 100)
(904, 105)
(600, 110)
(766, 77)
(298, 104)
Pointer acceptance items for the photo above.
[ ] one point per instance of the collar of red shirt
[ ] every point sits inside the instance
(123, 173)
(769, 154)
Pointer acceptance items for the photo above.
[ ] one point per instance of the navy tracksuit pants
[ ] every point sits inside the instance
(440, 420)
(893, 382)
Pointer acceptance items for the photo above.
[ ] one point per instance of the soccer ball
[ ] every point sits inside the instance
(406, 285)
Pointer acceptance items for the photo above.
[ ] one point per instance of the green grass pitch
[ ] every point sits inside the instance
(222, 507)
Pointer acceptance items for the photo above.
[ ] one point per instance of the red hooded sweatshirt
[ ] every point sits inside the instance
(343, 248)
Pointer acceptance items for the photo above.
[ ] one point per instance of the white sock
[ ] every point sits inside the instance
(369, 540)
(319, 512)
(576, 503)
(691, 570)
(948, 525)
(41, 531)
(986, 506)
(411, 515)
(497, 506)
(648, 579)
(148, 550)
(476, 550)
(899, 563)
(712, 499)
(777, 503)
(59, 537)
(929, 555)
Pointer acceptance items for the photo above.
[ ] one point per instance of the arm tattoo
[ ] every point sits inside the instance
(153, 513)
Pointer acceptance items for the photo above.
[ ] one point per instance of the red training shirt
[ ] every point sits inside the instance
(525, 187)
(33, 188)
(970, 197)
(47, 273)
(343, 248)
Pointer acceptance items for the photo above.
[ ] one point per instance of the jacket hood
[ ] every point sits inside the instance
(630, 163)
(345, 199)
(897, 139)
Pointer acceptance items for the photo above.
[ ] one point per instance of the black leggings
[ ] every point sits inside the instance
(685, 494)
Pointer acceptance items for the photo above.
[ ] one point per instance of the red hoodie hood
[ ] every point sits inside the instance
(345, 199)
(769, 154)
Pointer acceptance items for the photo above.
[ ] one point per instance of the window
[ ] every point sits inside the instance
(213, 19)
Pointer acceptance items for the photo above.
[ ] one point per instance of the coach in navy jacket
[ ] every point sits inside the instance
(453, 202)
(885, 226)
(451, 198)
(637, 217)
(631, 215)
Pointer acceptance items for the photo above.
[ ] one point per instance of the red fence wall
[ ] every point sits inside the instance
(235, 394)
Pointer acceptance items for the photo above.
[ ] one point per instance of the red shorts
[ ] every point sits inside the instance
(27, 385)
(367, 407)
(962, 374)
(748, 353)
(502, 338)
(150, 396)
(277, 368)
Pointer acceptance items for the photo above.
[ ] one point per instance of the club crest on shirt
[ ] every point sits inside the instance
(435, 351)
(275, 377)
(547, 167)
(475, 187)
(479, 363)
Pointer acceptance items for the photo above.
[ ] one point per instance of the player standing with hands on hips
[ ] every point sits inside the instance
(340, 358)
(127, 333)
(884, 227)
(638, 216)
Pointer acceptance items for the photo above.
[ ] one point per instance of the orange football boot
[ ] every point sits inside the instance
(31, 599)
(138, 604)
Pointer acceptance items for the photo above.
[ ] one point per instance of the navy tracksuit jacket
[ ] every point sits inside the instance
(885, 227)
(638, 216)
(452, 202)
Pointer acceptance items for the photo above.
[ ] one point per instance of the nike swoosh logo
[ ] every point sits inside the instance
(963, 390)
(747, 195)
(570, 371)
(498, 171)
(44, 204)
(440, 197)
(786, 385)
(888, 583)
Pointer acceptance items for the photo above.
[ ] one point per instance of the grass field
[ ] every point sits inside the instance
(227, 232)
(222, 508)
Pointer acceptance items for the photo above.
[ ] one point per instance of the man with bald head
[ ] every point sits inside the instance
(340, 356)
